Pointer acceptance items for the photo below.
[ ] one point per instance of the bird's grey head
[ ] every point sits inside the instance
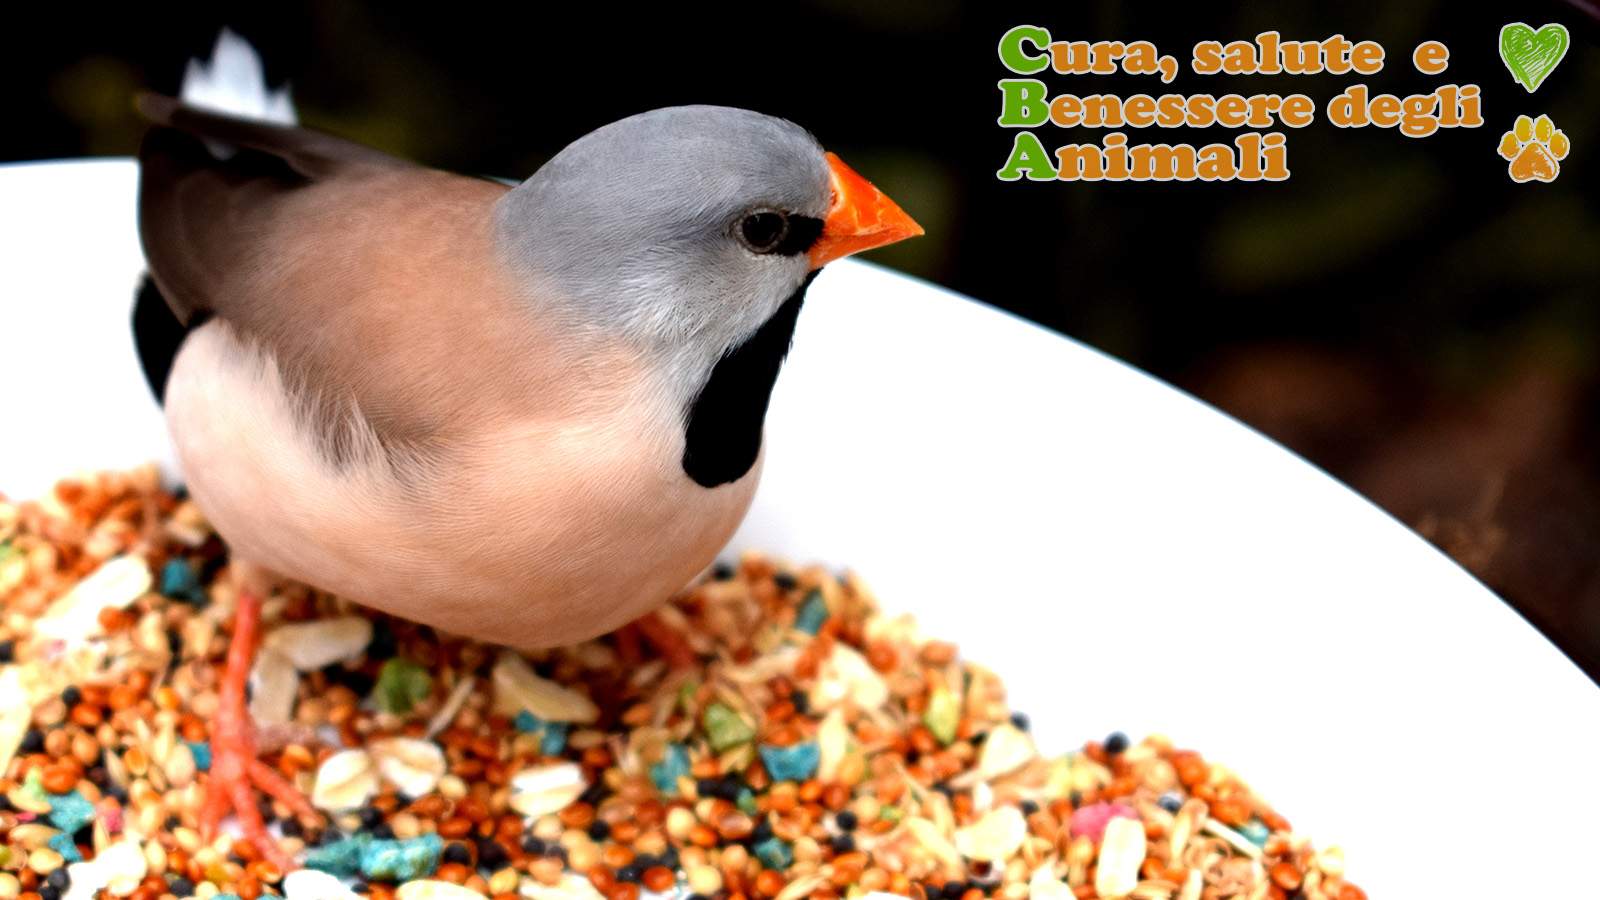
(692, 232)
(682, 228)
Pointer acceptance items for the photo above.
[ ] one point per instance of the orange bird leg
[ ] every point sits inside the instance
(235, 772)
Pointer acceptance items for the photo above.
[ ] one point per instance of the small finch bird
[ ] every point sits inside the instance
(524, 414)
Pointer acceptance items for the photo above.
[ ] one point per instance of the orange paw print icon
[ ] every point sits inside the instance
(1535, 148)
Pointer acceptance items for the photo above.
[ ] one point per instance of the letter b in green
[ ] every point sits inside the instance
(1022, 102)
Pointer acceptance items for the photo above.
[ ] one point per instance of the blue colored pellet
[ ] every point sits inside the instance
(202, 754)
(554, 740)
(70, 812)
(774, 854)
(62, 844)
(673, 766)
(795, 763)
(399, 860)
(1255, 831)
(813, 612)
(178, 581)
(373, 858)
(341, 858)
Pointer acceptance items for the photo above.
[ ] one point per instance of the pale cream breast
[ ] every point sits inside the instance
(528, 530)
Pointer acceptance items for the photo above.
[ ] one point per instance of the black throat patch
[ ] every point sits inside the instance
(722, 434)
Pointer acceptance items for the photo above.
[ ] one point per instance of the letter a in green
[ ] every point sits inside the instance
(1028, 157)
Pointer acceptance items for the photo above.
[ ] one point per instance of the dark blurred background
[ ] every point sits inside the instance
(1399, 312)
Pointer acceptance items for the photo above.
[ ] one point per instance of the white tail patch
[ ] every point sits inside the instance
(234, 82)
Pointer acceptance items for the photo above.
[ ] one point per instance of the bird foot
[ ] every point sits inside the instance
(236, 774)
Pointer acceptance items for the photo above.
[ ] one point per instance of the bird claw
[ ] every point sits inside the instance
(236, 774)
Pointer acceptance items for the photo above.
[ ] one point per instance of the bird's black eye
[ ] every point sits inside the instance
(764, 230)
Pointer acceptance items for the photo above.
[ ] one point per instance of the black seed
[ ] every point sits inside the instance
(629, 872)
(1029, 807)
(46, 892)
(491, 855)
(594, 793)
(846, 820)
(1171, 801)
(359, 682)
(213, 556)
(382, 831)
(1020, 721)
(370, 816)
(842, 844)
(785, 581)
(180, 886)
(384, 644)
(59, 879)
(761, 832)
(802, 702)
(722, 571)
(457, 852)
(292, 827)
(8, 651)
(1116, 742)
(954, 889)
(729, 787)
(599, 829)
(32, 742)
(531, 845)
(72, 696)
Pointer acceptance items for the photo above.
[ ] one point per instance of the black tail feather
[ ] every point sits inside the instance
(158, 334)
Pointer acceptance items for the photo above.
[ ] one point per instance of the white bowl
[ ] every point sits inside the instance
(1127, 557)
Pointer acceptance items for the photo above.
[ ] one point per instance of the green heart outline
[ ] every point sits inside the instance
(1533, 47)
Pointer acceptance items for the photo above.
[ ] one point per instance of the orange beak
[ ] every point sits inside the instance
(861, 218)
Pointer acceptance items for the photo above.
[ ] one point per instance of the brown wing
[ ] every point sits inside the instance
(195, 210)
(372, 283)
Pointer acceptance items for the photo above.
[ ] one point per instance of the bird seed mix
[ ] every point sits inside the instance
(771, 734)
